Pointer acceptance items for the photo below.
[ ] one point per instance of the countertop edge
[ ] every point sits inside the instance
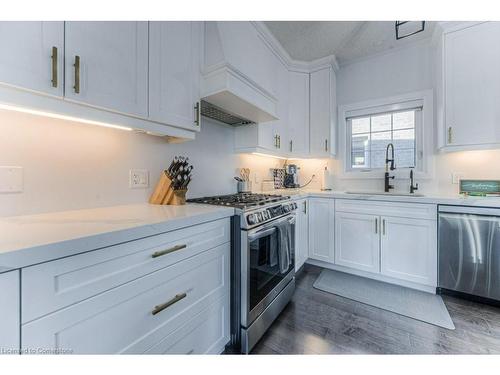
(21, 258)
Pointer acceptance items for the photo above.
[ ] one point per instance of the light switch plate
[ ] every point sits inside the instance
(11, 180)
(139, 179)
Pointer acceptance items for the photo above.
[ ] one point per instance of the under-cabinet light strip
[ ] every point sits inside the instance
(61, 117)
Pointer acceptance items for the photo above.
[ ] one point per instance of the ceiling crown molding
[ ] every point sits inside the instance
(286, 59)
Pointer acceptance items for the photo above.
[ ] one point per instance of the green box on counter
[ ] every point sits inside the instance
(480, 188)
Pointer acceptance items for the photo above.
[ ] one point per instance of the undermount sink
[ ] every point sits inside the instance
(395, 194)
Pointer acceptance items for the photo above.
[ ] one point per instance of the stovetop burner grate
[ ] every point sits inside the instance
(240, 200)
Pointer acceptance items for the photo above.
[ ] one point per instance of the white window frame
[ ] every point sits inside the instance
(423, 134)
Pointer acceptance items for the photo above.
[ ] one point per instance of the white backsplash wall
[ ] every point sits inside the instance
(68, 165)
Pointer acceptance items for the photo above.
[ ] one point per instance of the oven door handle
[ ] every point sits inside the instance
(261, 234)
(271, 228)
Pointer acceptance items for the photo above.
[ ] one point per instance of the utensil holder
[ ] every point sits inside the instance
(244, 186)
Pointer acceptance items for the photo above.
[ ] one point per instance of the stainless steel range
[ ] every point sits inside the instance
(262, 264)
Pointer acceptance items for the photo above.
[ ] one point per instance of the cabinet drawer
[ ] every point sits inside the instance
(206, 333)
(397, 209)
(122, 319)
(51, 286)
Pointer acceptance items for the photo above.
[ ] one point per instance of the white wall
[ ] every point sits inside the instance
(70, 165)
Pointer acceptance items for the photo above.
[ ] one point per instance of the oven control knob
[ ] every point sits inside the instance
(286, 208)
(251, 219)
(294, 205)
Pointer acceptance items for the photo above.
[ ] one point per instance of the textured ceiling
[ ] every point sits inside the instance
(347, 40)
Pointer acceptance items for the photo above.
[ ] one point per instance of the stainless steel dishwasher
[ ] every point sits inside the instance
(469, 251)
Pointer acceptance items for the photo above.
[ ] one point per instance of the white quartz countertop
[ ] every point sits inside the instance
(32, 239)
(455, 200)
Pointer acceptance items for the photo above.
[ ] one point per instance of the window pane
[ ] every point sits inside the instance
(381, 123)
(360, 147)
(405, 158)
(378, 159)
(360, 160)
(360, 125)
(404, 139)
(403, 120)
(370, 136)
(381, 140)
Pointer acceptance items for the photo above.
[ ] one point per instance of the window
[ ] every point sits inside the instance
(369, 135)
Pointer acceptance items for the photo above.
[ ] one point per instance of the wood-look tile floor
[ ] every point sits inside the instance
(316, 322)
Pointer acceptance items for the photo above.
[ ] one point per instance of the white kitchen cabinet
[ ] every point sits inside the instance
(9, 312)
(32, 55)
(174, 73)
(472, 87)
(357, 241)
(322, 112)
(391, 241)
(301, 233)
(409, 249)
(144, 312)
(298, 113)
(107, 65)
(321, 229)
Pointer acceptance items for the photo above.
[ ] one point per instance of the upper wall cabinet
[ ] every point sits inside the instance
(322, 112)
(32, 56)
(471, 75)
(174, 72)
(107, 65)
(298, 113)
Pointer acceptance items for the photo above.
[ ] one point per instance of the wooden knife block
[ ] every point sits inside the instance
(165, 194)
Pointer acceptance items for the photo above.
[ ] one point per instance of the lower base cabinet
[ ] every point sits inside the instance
(9, 312)
(408, 250)
(301, 233)
(357, 241)
(321, 229)
(395, 241)
(182, 308)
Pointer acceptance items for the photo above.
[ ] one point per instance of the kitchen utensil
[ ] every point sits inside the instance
(239, 179)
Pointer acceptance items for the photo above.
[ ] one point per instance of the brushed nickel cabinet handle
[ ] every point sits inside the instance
(276, 141)
(53, 58)
(168, 251)
(163, 306)
(305, 207)
(450, 134)
(279, 141)
(77, 74)
(383, 227)
(326, 145)
(197, 114)
(376, 225)
(291, 146)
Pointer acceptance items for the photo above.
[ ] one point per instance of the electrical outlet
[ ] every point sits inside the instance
(139, 179)
(11, 180)
(456, 177)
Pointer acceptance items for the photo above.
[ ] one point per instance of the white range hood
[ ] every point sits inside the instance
(234, 76)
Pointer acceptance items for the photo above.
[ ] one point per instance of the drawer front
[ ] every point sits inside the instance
(206, 333)
(397, 209)
(122, 320)
(51, 286)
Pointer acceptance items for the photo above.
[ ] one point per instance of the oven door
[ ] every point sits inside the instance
(262, 278)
